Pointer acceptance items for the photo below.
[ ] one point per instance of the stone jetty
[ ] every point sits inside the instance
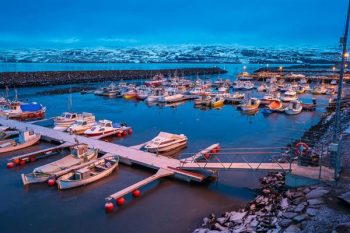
(28, 79)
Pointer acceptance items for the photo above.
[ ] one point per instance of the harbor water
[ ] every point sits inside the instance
(169, 205)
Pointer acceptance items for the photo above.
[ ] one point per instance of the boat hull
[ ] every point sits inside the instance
(22, 145)
(67, 184)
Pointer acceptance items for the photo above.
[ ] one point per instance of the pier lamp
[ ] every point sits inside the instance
(280, 70)
(333, 68)
(244, 68)
(346, 55)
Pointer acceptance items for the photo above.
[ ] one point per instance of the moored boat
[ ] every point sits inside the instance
(166, 142)
(289, 96)
(217, 101)
(26, 139)
(294, 108)
(89, 173)
(251, 106)
(275, 106)
(23, 111)
(79, 154)
(104, 127)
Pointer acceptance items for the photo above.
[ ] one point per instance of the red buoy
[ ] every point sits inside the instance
(207, 155)
(51, 182)
(32, 159)
(22, 162)
(16, 161)
(130, 131)
(136, 193)
(109, 206)
(125, 133)
(120, 201)
(119, 135)
(10, 165)
(213, 151)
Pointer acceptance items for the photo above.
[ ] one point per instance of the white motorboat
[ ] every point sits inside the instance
(155, 94)
(166, 142)
(88, 173)
(104, 127)
(289, 96)
(80, 126)
(293, 108)
(63, 122)
(79, 154)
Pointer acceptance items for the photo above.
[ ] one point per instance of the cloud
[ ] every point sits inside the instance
(71, 40)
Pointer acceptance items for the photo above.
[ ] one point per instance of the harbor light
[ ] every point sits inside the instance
(346, 55)
(333, 68)
(244, 68)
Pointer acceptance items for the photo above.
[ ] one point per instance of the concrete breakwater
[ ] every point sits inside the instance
(28, 79)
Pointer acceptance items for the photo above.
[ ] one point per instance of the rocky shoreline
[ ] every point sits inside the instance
(278, 209)
(30, 79)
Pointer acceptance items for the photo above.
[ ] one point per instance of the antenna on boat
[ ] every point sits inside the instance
(70, 102)
(16, 95)
(7, 92)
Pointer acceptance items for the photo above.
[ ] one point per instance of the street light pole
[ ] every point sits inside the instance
(340, 88)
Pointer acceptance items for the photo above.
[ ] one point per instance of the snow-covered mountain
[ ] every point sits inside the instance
(176, 54)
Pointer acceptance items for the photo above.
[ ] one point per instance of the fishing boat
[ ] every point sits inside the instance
(269, 97)
(203, 100)
(251, 106)
(26, 139)
(79, 154)
(263, 87)
(166, 142)
(142, 94)
(80, 126)
(131, 94)
(244, 85)
(233, 97)
(104, 127)
(156, 81)
(88, 173)
(300, 90)
(171, 98)
(23, 111)
(319, 90)
(287, 87)
(155, 94)
(289, 96)
(217, 101)
(110, 91)
(63, 122)
(275, 106)
(294, 108)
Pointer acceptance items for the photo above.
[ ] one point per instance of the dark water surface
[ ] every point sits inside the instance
(168, 205)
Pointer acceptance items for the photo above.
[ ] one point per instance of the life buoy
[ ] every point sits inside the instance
(301, 148)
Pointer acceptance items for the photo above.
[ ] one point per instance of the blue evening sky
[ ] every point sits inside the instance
(109, 23)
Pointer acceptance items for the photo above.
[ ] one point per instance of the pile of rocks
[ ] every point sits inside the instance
(275, 209)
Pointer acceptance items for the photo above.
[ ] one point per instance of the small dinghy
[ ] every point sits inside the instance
(217, 102)
(276, 106)
(89, 173)
(79, 154)
(251, 106)
(166, 142)
(294, 108)
(26, 139)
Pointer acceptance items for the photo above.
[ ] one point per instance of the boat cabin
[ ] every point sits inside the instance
(69, 115)
(79, 151)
